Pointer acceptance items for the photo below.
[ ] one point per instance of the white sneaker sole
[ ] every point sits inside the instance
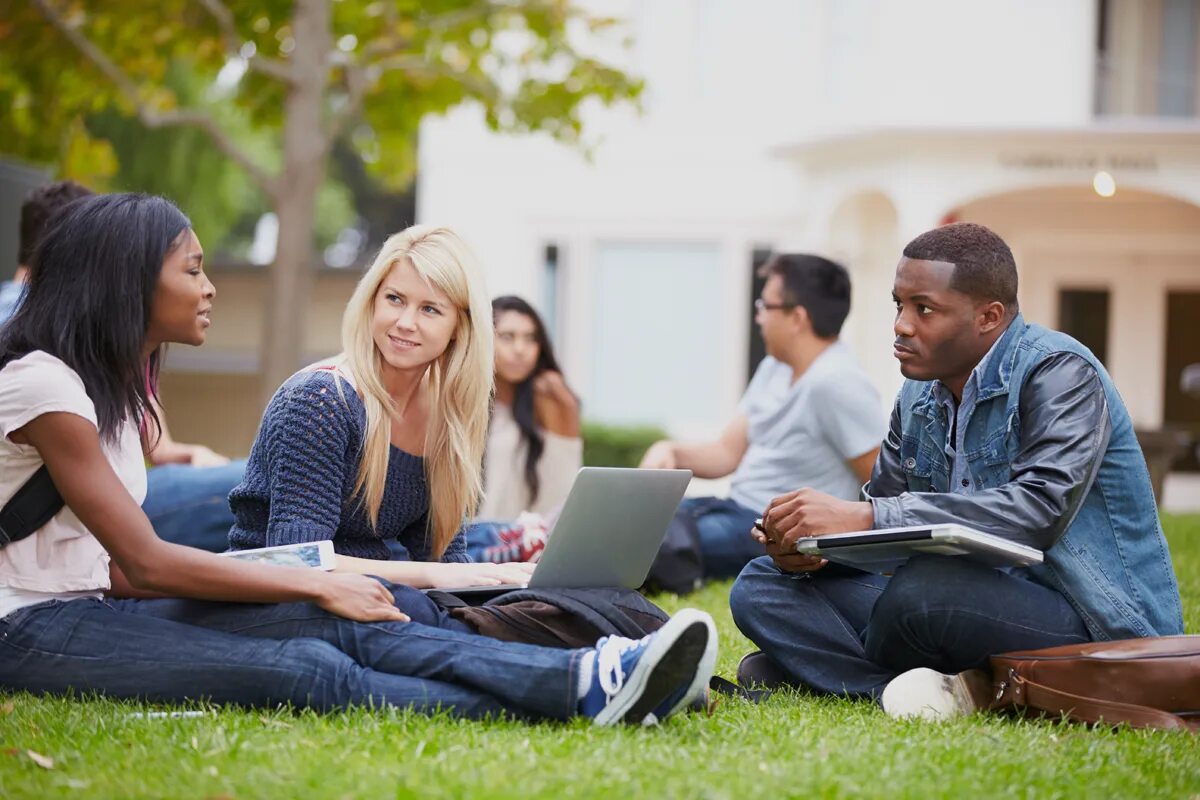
(674, 656)
(923, 693)
(704, 672)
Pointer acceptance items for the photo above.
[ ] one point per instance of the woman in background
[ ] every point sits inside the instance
(534, 447)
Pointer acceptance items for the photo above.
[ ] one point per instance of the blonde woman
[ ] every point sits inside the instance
(385, 441)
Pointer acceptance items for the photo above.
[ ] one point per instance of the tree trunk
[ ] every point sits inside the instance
(305, 152)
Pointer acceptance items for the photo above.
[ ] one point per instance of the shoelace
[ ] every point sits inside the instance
(608, 662)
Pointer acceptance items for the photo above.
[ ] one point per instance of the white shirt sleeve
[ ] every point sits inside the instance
(38, 384)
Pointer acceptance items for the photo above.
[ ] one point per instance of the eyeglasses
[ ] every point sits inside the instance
(763, 305)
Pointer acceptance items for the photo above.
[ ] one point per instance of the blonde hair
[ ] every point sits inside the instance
(460, 381)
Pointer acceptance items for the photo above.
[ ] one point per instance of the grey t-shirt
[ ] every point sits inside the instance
(802, 434)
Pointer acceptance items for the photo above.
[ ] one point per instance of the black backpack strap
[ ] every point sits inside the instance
(30, 508)
(720, 685)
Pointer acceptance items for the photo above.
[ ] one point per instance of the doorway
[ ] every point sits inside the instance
(1180, 410)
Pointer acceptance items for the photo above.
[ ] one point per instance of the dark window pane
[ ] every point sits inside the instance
(1083, 313)
(758, 257)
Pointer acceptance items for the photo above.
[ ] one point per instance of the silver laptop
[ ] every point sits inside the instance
(885, 549)
(610, 528)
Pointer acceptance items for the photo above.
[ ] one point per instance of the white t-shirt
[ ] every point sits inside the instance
(803, 434)
(61, 560)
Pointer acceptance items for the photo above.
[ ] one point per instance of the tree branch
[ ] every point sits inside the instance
(386, 46)
(417, 65)
(150, 117)
(233, 44)
(355, 79)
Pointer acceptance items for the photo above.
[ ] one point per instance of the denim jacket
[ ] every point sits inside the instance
(1051, 448)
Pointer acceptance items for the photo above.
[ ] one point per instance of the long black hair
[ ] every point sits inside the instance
(92, 281)
(522, 406)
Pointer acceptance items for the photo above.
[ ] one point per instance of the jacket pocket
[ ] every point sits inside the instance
(917, 465)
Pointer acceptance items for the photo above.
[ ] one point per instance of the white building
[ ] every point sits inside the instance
(846, 127)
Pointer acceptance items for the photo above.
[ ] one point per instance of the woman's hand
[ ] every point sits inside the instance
(438, 575)
(557, 409)
(551, 384)
(358, 597)
(201, 456)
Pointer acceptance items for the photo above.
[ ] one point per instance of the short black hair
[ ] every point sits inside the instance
(820, 286)
(40, 205)
(91, 288)
(984, 267)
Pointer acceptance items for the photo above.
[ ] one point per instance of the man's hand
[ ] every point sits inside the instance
(807, 512)
(661, 455)
(787, 560)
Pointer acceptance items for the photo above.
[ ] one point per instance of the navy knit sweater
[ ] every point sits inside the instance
(299, 480)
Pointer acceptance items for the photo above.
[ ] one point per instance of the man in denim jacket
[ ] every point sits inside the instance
(1004, 426)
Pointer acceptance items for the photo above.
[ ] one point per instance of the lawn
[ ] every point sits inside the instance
(790, 746)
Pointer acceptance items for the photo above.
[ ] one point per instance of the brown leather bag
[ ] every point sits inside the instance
(1146, 683)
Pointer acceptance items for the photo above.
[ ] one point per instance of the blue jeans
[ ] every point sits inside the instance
(724, 530)
(190, 505)
(841, 631)
(246, 654)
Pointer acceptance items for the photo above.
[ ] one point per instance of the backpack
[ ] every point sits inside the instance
(679, 565)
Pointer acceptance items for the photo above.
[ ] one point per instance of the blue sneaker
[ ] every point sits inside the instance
(632, 678)
(694, 690)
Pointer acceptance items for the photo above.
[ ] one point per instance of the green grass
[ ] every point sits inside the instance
(792, 745)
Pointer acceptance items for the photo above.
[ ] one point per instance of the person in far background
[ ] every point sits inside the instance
(189, 484)
(36, 211)
(809, 418)
(534, 446)
(187, 495)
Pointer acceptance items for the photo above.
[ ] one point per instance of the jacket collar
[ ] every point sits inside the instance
(993, 381)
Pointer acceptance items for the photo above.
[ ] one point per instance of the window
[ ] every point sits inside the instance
(551, 292)
(1147, 58)
(657, 334)
(1083, 314)
(758, 257)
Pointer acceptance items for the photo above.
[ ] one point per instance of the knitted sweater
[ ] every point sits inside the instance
(299, 480)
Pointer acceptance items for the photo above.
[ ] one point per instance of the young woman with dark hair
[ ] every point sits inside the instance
(117, 277)
(534, 448)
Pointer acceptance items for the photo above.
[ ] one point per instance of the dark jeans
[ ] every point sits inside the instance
(263, 655)
(190, 505)
(841, 631)
(724, 529)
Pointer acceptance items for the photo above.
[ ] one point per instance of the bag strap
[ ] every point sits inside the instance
(719, 685)
(34, 504)
(1095, 709)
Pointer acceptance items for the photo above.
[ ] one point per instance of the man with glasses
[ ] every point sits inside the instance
(809, 418)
